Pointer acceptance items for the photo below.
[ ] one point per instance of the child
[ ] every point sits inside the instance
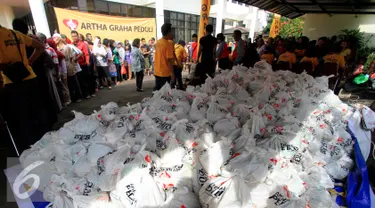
(310, 57)
(268, 55)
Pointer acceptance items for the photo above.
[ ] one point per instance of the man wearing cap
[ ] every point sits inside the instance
(181, 56)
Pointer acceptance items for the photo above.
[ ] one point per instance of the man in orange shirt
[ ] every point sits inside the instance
(164, 57)
(288, 56)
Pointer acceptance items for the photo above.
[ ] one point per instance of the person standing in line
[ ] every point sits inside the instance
(194, 48)
(145, 49)
(56, 87)
(89, 38)
(63, 73)
(222, 52)
(152, 54)
(177, 68)
(239, 48)
(109, 45)
(69, 55)
(21, 101)
(164, 57)
(207, 55)
(128, 62)
(118, 59)
(85, 77)
(138, 64)
(101, 56)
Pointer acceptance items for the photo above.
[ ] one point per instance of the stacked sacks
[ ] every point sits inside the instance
(246, 138)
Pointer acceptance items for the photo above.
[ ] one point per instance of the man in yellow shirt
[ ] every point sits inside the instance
(181, 56)
(335, 57)
(288, 57)
(20, 101)
(164, 58)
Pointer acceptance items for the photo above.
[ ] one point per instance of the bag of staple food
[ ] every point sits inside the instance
(343, 138)
(215, 156)
(339, 169)
(198, 108)
(86, 130)
(171, 178)
(236, 75)
(182, 198)
(263, 95)
(254, 127)
(242, 112)
(209, 86)
(142, 123)
(243, 142)
(205, 132)
(179, 95)
(286, 146)
(199, 177)
(241, 94)
(255, 86)
(108, 111)
(226, 101)
(137, 189)
(251, 166)
(325, 151)
(269, 113)
(317, 177)
(181, 109)
(162, 120)
(265, 195)
(34, 163)
(226, 125)
(116, 164)
(62, 200)
(77, 117)
(171, 152)
(215, 112)
(117, 129)
(165, 93)
(224, 192)
(263, 66)
(99, 200)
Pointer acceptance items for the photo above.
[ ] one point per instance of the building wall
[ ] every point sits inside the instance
(6, 16)
(189, 7)
(318, 25)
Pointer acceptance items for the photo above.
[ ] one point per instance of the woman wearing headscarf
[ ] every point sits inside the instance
(54, 73)
(73, 84)
(62, 72)
(101, 55)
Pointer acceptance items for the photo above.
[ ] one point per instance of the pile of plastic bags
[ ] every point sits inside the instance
(247, 138)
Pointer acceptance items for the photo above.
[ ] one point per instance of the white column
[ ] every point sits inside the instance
(7, 16)
(220, 15)
(254, 20)
(159, 7)
(40, 17)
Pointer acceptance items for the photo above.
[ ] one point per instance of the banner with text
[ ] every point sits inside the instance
(275, 27)
(203, 22)
(112, 27)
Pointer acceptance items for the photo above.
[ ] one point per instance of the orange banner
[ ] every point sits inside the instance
(105, 26)
(275, 27)
(203, 22)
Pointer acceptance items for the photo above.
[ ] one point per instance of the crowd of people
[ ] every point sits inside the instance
(40, 76)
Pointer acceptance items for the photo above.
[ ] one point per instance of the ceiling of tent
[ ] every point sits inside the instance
(296, 8)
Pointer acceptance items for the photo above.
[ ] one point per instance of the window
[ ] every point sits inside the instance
(101, 7)
(114, 8)
(184, 25)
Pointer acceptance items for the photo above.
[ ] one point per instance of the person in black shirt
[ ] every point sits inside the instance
(207, 53)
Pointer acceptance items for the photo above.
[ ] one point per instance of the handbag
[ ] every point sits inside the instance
(123, 69)
(16, 71)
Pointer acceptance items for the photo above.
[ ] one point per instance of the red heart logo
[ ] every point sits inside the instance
(72, 24)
